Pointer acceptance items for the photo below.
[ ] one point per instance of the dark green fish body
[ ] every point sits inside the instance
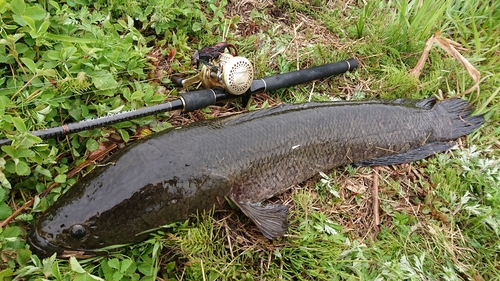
(247, 158)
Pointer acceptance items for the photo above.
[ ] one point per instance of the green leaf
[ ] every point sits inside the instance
(29, 63)
(124, 134)
(114, 263)
(9, 149)
(126, 93)
(39, 169)
(55, 5)
(116, 110)
(5, 212)
(3, 192)
(11, 39)
(17, 153)
(4, 101)
(4, 182)
(30, 22)
(21, 48)
(10, 167)
(104, 81)
(35, 12)
(3, 4)
(47, 72)
(33, 139)
(22, 168)
(126, 265)
(19, 20)
(82, 277)
(137, 95)
(43, 27)
(75, 266)
(87, 277)
(23, 257)
(70, 39)
(196, 26)
(36, 203)
(60, 178)
(19, 124)
(25, 153)
(55, 269)
(17, 6)
(36, 32)
(8, 271)
(53, 55)
(145, 268)
(108, 271)
(47, 264)
(92, 145)
(118, 275)
(11, 232)
(170, 266)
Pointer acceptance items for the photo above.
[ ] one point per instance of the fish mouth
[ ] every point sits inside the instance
(44, 249)
(41, 247)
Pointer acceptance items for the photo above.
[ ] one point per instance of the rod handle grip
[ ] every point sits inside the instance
(305, 75)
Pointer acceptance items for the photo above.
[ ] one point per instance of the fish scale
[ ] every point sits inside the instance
(247, 158)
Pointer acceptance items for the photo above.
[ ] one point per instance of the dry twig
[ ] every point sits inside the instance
(376, 213)
(450, 47)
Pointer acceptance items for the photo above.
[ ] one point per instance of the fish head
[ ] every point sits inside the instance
(46, 243)
(67, 232)
(84, 219)
(90, 217)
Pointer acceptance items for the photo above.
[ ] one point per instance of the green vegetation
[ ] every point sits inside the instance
(65, 61)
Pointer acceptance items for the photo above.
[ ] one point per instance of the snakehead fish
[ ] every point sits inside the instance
(246, 158)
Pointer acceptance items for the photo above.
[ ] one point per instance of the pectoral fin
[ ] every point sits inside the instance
(409, 156)
(272, 219)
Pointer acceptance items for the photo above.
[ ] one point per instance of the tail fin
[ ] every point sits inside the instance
(462, 122)
(460, 110)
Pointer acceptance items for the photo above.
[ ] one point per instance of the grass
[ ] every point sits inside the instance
(439, 217)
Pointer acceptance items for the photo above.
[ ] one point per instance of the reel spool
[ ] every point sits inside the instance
(235, 74)
(229, 71)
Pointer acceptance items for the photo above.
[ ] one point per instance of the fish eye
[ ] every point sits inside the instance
(78, 231)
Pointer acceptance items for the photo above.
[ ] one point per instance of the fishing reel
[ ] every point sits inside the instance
(220, 69)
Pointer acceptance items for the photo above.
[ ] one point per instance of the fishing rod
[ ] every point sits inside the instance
(225, 75)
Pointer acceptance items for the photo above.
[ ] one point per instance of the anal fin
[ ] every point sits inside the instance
(272, 219)
(409, 156)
